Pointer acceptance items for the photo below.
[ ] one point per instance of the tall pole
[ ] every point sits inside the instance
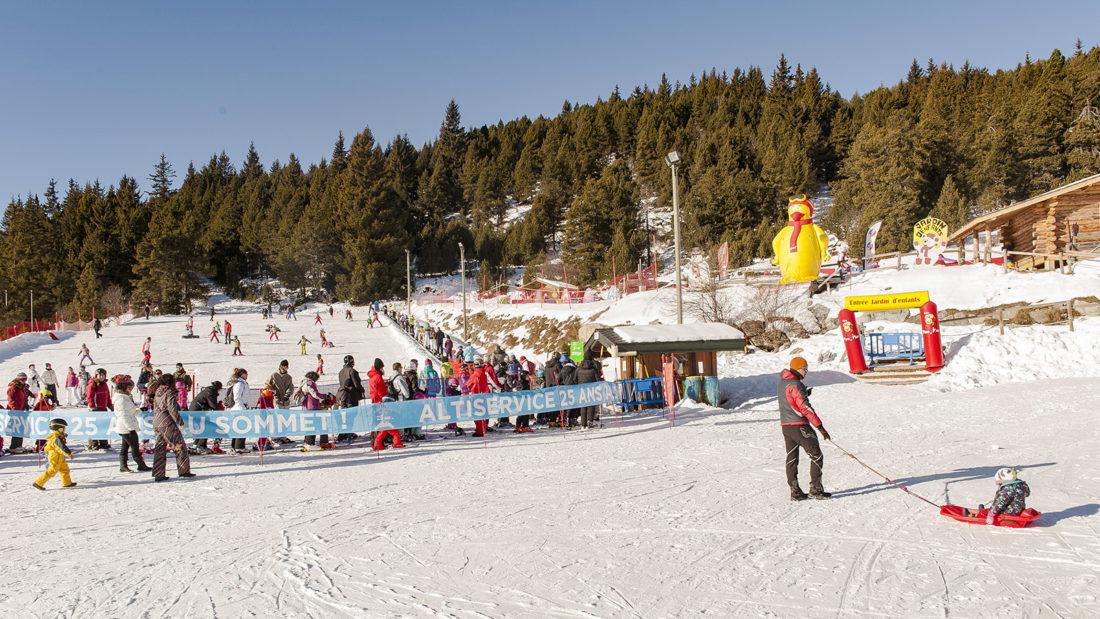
(32, 311)
(408, 282)
(462, 260)
(676, 237)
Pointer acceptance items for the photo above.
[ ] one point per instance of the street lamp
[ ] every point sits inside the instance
(673, 160)
(462, 260)
(408, 282)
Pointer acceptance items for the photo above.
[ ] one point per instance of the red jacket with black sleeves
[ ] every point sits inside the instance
(794, 402)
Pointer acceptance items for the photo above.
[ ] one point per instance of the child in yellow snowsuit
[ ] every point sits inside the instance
(56, 452)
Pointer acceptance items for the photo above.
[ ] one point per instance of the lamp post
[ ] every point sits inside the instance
(673, 160)
(462, 265)
(408, 282)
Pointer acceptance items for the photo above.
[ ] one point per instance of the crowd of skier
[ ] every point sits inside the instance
(451, 368)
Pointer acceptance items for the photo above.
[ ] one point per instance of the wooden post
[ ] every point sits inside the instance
(899, 260)
(1004, 258)
(1069, 312)
(1001, 320)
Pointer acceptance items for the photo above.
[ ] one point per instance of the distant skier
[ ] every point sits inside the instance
(330, 311)
(236, 346)
(347, 314)
(72, 388)
(85, 354)
(191, 326)
(317, 318)
(49, 383)
(96, 326)
(273, 332)
(215, 333)
(796, 416)
(302, 345)
(147, 310)
(228, 330)
(211, 313)
(146, 349)
(320, 365)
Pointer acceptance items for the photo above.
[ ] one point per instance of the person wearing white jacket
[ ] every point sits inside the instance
(126, 423)
(49, 382)
(238, 385)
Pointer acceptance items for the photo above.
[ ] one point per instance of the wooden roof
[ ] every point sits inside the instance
(996, 218)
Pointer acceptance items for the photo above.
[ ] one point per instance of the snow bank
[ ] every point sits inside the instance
(972, 286)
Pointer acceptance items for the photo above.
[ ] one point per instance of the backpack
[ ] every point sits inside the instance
(229, 393)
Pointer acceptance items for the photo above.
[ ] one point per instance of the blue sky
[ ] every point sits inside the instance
(98, 89)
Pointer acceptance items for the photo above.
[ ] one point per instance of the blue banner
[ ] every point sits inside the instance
(257, 423)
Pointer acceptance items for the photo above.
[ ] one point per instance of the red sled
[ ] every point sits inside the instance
(1025, 518)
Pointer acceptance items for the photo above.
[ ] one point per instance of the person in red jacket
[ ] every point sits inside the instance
(98, 398)
(796, 417)
(376, 386)
(479, 383)
(18, 400)
(228, 331)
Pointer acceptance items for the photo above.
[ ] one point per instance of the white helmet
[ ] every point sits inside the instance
(1005, 474)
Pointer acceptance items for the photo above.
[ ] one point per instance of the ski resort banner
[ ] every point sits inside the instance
(259, 423)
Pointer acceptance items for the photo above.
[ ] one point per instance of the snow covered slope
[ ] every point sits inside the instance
(639, 519)
(119, 351)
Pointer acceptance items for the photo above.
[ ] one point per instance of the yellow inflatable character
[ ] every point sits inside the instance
(801, 246)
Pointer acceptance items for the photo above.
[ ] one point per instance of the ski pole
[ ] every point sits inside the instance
(890, 481)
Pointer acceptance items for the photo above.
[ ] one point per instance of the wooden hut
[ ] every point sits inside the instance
(1048, 229)
(638, 348)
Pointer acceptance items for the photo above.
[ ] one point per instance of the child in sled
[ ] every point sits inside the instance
(1010, 499)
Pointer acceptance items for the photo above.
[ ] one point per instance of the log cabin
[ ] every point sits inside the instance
(1044, 231)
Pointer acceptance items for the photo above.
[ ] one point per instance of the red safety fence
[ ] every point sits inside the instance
(26, 326)
(641, 281)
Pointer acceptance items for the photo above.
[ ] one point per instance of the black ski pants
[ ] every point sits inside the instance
(130, 444)
(803, 437)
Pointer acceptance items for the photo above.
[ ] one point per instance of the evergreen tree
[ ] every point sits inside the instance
(951, 206)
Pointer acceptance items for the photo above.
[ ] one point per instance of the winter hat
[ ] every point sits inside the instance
(378, 364)
(122, 379)
(428, 363)
(799, 364)
(22, 375)
(1005, 474)
(58, 423)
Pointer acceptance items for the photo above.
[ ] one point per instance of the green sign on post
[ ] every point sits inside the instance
(576, 351)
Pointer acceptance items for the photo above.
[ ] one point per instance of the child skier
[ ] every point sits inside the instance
(146, 352)
(237, 346)
(57, 451)
(273, 331)
(302, 345)
(320, 366)
(85, 354)
(72, 394)
(215, 333)
(317, 318)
